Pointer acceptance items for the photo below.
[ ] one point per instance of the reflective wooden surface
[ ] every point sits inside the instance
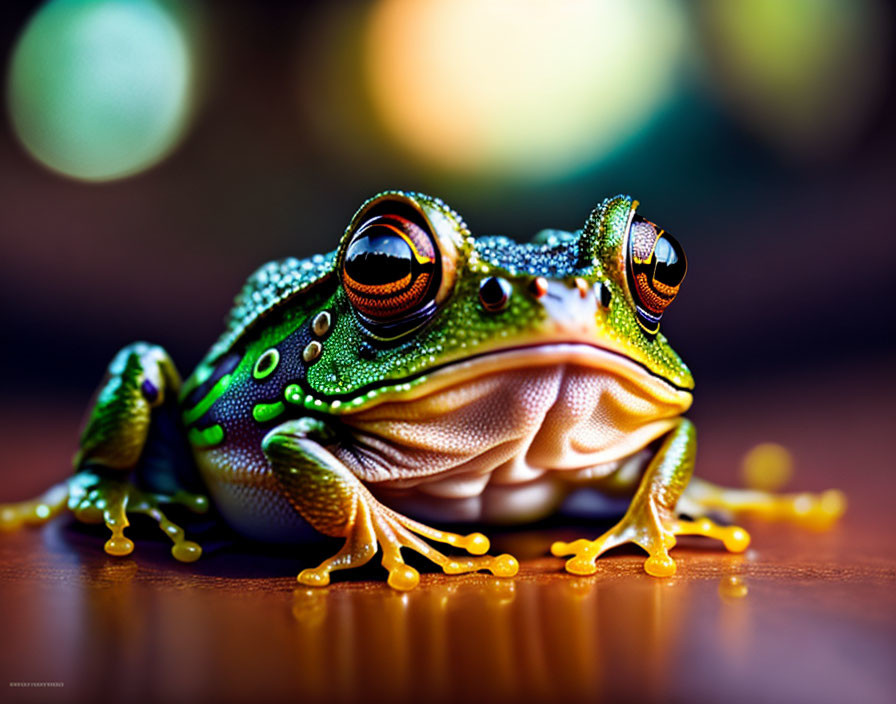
(800, 617)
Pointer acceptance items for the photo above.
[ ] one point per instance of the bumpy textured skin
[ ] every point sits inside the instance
(305, 419)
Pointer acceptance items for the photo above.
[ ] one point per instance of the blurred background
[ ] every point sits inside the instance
(153, 153)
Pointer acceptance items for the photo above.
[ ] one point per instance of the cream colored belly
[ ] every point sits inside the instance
(505, 447)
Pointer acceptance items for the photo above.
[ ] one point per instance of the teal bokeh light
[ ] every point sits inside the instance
(99, 90)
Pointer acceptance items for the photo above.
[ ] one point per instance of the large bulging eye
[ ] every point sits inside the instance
(656, 268)
(389, 269)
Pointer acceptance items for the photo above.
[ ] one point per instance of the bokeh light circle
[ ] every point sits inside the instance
(100, 90)
(530, 88)
(805, 74)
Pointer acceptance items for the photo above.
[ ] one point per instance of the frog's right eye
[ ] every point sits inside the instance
(390, 268)
(656, 268)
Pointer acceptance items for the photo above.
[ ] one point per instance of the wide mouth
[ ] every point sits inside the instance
(456, 372)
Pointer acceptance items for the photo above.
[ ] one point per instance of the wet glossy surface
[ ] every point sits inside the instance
(801, 616)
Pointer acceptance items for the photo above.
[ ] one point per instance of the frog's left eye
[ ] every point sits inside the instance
(656, 268)
(390, 268)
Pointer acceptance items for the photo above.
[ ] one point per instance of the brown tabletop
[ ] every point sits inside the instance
(800, 617)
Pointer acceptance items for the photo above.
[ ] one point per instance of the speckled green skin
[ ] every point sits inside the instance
(341, 379)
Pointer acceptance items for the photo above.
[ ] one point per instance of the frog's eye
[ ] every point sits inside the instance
(390, 268)
(656, 268)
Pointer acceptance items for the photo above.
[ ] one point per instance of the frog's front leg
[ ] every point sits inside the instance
(336, 503)
(651, 520)
(139, 379)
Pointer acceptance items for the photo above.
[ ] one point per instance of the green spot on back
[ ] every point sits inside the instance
(267, 411)
(207, 437)
(266, 364)
(200, 408)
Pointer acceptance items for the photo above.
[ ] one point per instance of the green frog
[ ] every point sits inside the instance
(418, 375)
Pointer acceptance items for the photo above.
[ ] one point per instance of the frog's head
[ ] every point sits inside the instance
(420, 298)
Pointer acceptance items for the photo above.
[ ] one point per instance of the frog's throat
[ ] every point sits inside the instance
(581, 354)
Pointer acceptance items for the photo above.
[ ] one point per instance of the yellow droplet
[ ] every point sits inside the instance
(736, 539)
(580, 565)
(767, 467)
(186, 551)
(314, 578)
(119, 545)
(403, 577)
(476, 544)
(505, 566)
(660, 566)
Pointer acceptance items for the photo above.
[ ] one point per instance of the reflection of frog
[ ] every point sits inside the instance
(419, 371)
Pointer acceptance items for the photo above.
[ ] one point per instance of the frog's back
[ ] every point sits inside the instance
(267, 290)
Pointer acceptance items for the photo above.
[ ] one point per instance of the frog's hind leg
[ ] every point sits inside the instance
(815, 510)
(139, 379)
(336, 503)
(34, 511)
(652, 519)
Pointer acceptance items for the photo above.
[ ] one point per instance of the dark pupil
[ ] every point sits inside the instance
(670, 261)
(378, 257)
(265, 362)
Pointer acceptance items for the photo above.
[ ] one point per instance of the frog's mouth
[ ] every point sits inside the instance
(579, 354)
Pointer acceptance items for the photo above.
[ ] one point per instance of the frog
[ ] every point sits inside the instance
(419, 376)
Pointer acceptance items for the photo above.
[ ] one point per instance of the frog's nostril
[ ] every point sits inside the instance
(582, 286)
(494, 293)
(539, 287)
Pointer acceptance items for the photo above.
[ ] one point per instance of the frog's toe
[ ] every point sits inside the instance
(642, 525)
(119, 545)
(583, 553)
(394, 532)
(819, 511)
(182, 550)
(660, 565)
(94, 499)
(186, 551)
(734, 538)
(114, 508)
(314, 577)
(582, 565)
(403, 577)
(503, 565)
(34, 511)
(561, 549)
